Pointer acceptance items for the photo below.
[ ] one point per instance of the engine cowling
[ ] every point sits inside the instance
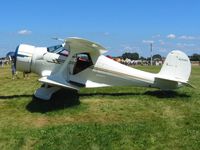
(26, 55)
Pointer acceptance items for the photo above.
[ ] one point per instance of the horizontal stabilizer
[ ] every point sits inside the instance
(189, 85)
(169, 83)
(55, 83)
(175, 79)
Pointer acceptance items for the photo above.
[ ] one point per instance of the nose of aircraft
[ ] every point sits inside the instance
(23, 57)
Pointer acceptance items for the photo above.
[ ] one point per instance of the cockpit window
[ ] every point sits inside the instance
(54, 49)
(58, 49)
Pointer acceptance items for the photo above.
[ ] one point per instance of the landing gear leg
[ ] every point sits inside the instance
(45, 92)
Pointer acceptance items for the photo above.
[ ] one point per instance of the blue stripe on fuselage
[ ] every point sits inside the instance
(20, 55)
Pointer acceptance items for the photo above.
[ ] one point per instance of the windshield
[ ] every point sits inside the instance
(58, 49)
(54, 49)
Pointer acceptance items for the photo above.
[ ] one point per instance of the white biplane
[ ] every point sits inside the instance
(80, 63)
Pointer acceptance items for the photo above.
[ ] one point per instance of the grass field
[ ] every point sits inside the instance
(104, 118)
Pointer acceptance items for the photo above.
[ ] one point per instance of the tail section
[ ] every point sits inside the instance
(176, 69)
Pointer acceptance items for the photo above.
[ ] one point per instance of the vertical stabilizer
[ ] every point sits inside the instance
(176, 67)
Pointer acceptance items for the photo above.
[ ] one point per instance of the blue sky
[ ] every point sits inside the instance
(119, 25)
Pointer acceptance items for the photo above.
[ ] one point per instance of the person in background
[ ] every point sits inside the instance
(13, 69)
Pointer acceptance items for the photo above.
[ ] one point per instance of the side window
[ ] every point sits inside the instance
(83, 61)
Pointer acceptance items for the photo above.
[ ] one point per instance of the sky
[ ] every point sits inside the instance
(118, 25)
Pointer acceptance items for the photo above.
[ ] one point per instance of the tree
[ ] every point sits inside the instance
(132, 56)
(157, 56)
(195, 57)
(142, 58)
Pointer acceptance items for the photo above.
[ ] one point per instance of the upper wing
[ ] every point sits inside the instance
(79, 45)
(75, 46)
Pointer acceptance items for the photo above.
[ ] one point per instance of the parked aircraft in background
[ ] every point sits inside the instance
(80, 63)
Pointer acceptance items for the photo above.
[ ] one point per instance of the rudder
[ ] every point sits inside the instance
(177, 66)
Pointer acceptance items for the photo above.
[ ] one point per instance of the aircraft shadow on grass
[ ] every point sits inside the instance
(157, 93)
(68, 98)
(60, 100)
(167, 94)
(10, 97)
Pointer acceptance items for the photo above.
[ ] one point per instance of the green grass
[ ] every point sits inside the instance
(100, 118)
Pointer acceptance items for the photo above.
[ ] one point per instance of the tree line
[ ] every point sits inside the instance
(195, 57)
(135, 56)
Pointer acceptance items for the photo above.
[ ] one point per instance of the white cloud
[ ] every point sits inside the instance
(106, 33)
(185, 45)
(161, 49)
(185, 37)
(161, 42)
(24, 32)
(171, 36)
(147, 41)
(156, 36)
(129, 48)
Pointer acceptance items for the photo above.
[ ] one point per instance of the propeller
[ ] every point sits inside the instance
(15, 56)
(10, 54)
